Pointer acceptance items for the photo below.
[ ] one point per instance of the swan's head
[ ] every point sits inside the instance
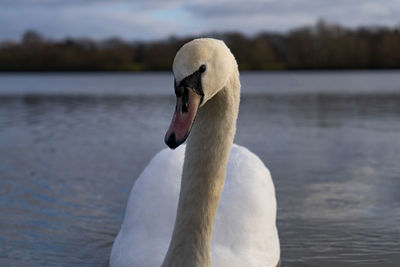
(201, 69)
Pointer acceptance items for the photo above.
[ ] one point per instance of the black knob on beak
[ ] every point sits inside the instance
(179, 91)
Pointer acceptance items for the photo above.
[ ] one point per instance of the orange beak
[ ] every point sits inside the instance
(184, 116)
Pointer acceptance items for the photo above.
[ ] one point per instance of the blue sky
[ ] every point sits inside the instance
(155, 19)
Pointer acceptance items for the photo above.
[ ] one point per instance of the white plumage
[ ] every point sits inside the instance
(213, 204)
(244, 231)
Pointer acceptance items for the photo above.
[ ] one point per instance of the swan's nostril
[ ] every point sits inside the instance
(171, 142)
(185, 100)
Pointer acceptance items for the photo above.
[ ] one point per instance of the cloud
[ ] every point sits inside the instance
(158, 19)
(70, 3)
(102, 20)
(281, 15)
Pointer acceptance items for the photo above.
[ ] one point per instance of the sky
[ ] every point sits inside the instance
(157, 19)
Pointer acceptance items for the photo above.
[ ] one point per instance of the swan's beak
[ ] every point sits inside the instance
(185, 112)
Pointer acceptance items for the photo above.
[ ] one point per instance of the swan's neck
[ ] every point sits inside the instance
(204, 171)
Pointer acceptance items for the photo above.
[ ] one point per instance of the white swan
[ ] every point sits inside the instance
(213, 225)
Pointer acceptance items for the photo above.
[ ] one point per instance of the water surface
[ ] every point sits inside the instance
(71, 146)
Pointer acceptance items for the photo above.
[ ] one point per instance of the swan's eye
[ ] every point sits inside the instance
(202, 68)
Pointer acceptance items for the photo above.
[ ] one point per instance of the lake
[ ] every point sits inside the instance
(72, 145)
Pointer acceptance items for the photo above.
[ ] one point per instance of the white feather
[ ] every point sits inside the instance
(244, 231)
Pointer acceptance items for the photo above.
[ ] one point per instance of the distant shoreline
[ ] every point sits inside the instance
(322, 47)
(170, 71)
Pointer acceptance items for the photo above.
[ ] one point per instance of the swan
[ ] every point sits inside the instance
(209, 203)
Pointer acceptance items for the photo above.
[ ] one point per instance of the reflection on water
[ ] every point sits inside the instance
(68, 161)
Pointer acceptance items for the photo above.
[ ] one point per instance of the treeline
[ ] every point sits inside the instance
(322, 46)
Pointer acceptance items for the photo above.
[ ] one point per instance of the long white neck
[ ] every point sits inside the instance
(204, 171)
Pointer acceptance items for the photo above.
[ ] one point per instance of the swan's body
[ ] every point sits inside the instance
(244, 231)
(207, 229)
